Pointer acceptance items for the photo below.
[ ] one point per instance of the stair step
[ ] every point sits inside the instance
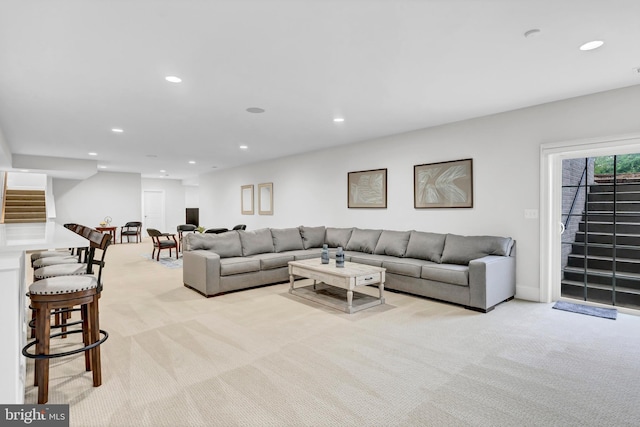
(607, 227)
(621, 289)
(23, 220)
(607, 238)
(603, 250)
(603, 277)
(626, 217)
(631, 196)
(605, 263)
(620, 188)
(625, 206)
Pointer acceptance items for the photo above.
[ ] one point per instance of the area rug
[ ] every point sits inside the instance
(606, 313)
(166, 262)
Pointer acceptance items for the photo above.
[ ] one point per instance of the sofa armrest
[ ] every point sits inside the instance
(201, 271)
(492, 279)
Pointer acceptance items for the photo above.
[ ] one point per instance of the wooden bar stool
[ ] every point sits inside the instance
(64, 293)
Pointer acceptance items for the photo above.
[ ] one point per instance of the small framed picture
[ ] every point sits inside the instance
(246, 199)
(367, 189)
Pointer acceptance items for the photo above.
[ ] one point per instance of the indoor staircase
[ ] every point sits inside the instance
(599, 225)
(24, 206)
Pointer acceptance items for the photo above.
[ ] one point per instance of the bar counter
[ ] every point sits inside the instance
(15, 241)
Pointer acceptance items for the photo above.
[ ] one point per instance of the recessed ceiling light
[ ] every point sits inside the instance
(102, 166)
(594, 44)
(255, 110)
(244, 147)
(173, 79)
(117, 130)
(338, 120)
(192, 162)
(162, 170)
(93, 154)
(532, 33)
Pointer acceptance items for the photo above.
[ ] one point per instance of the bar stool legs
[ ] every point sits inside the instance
(91, 335)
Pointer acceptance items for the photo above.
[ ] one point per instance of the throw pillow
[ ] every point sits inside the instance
(256, 241)
(462, 249)
(312, 237)
(337, 237)
(226, 245)
(363, 240)
(392, 243)
(286, 239)
(427, 246)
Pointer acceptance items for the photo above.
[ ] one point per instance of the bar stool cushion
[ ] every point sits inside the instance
(63, 285)
(46, 254)
(54, 260)
(60, 270)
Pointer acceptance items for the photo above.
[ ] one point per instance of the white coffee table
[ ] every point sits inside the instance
(337, 285)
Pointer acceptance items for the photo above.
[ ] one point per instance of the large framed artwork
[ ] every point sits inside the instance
(367, 189)
(246, 199)
(443, 185)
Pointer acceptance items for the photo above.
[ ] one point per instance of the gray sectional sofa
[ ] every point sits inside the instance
(477, 272)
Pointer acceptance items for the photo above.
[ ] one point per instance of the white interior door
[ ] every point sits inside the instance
(153, 215)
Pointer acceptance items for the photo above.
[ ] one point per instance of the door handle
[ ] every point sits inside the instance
(561, 228)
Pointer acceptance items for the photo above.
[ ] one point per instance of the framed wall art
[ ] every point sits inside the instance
(367, 189)
(246, 199)
(265, 198)
(443, 185)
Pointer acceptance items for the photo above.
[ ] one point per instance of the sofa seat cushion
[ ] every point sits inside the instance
(286, 239)
(410, 267)
(447, 273)
(368, 259)
(273, 260)
(462, 249)
(256, 241)
(305, 254)
(238, 265)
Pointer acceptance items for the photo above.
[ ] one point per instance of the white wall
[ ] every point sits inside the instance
(311, 189)
(89, 201)
(174, 191)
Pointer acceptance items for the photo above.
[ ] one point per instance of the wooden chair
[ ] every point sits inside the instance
(162, 241)
(185, 228)
(64, 293)
(131, 229)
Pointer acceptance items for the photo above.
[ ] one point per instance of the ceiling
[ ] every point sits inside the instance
(70, 71)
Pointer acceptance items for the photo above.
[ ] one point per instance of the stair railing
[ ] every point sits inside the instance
(575, 195)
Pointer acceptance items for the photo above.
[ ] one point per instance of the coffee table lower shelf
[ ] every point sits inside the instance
(335, 297)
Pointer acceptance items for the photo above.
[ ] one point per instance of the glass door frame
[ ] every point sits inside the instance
(551, 156)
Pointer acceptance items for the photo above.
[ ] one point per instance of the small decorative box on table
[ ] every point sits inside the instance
(337, 285)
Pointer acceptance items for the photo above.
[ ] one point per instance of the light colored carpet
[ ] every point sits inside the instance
(265, 358)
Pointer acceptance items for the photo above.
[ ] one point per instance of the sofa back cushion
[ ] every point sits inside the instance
(462, 249)
(335, 237)
(363, 240)
(286, 239)
(226, 245)
(256, 241)
(312, 237)
(427, 246)
(392, 243)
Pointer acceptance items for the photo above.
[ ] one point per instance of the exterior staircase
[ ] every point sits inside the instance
(596, 246)
(24, 206)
